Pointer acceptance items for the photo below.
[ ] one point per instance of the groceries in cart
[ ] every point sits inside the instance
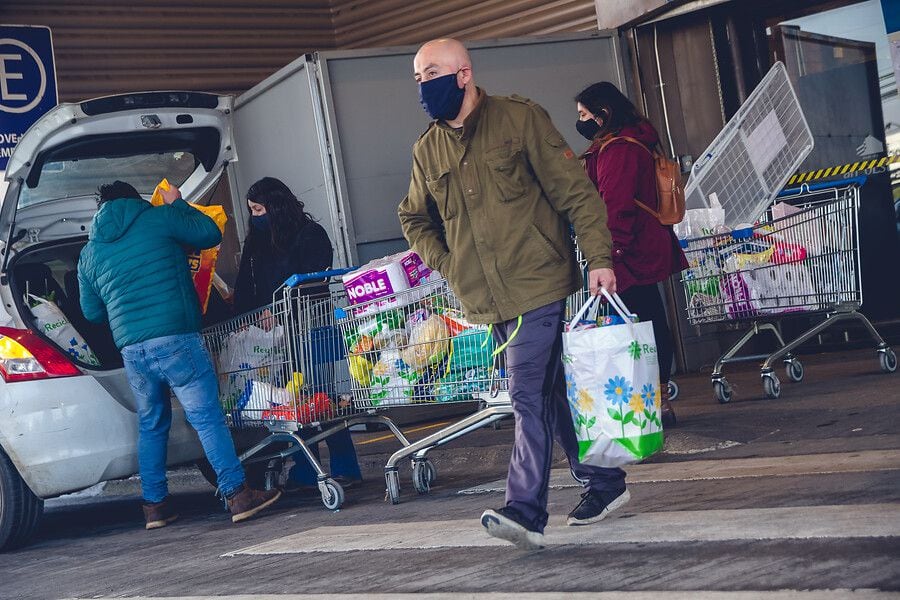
(201, 262)
(243, 364)
(771, 268)
(414, 346)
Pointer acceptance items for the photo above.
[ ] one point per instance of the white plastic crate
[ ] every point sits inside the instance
(754, 155)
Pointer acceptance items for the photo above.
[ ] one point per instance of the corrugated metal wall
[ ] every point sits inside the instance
(111, 46)
(372, 23)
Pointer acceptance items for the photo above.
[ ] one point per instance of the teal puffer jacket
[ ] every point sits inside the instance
(134, 272)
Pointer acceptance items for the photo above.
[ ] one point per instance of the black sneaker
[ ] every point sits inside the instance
(595, 506)
(508, 524)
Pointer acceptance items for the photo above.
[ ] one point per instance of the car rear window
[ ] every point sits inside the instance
(81, 177)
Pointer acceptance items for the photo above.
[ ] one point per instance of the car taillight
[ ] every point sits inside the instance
(24, 357)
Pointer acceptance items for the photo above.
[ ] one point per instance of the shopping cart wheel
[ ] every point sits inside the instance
(392, 479)
(423, 475)
(888, 360)
(771, 385)
(332, 494)
(674, 390)
(723, 391)
(794, 370)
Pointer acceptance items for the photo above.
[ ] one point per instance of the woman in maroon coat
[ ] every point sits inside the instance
(644, 251)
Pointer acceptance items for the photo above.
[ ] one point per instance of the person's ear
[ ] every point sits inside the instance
(602, 117)
(464, 76)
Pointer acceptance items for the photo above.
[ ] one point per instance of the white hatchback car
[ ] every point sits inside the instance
(65, 425)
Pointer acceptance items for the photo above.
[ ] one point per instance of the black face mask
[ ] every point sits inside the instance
(442, 97)
(589, 129)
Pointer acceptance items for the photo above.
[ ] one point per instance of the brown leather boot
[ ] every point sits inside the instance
(246, 502)
(159, 514)
(667, 413)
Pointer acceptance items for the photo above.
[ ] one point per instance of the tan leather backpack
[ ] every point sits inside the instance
(669, 188)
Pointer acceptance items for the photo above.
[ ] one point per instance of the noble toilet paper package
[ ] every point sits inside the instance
(385, 277)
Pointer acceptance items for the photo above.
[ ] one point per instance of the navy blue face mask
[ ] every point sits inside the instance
(260, 222)
(442, 97)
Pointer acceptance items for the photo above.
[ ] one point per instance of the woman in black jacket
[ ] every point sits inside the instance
(284, 240)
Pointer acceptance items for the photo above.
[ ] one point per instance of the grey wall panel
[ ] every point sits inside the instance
(276, 135)
(377, 117)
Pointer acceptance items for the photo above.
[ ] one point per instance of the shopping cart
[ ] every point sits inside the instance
(416, 348)
(283, 368)
(803, 258)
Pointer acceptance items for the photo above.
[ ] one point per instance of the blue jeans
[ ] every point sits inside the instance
(325, 350)
(179, 363)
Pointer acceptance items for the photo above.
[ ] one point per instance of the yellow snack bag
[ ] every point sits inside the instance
(203, 262)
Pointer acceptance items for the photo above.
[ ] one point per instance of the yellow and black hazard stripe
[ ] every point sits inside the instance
(863, 165)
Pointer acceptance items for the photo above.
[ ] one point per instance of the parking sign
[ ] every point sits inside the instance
(27, 82)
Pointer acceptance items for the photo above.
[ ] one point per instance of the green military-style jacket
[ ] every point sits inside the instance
(489, 206)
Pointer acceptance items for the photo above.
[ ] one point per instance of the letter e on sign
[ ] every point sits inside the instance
(27, 82)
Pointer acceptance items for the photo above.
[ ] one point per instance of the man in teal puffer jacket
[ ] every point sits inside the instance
(134, 274)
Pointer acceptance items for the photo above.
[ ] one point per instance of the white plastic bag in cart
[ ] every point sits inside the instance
(612, 384)
(248, 354)
(55, 325)
(393, 382)
(701, 222)
(263, 396)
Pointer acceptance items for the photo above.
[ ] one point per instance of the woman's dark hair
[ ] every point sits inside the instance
(115, 190)
(606, 102)
(285, 211)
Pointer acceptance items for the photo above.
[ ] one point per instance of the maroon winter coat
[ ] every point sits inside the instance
(644, 251)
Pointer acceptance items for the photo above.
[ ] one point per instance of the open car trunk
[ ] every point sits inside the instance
(49, 271)
(54, 175)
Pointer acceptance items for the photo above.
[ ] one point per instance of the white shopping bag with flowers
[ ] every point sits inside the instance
(55, 325)
(612, 384)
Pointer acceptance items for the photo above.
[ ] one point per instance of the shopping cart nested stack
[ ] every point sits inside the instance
(415, 347)
(802, 258)
(283, 368)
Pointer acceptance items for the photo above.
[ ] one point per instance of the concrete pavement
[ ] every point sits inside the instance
(791, 498)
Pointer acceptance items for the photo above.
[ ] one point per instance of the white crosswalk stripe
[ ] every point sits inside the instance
(654, 595)
(705, 470)
(799, 522)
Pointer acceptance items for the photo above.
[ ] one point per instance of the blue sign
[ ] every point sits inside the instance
(27, 82)
(891, 10)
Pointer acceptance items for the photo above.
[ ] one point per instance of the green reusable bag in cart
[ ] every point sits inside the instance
(471, 349)
(612, 384)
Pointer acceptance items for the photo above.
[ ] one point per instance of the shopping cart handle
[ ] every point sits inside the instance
(295, 280)
(860, 180)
